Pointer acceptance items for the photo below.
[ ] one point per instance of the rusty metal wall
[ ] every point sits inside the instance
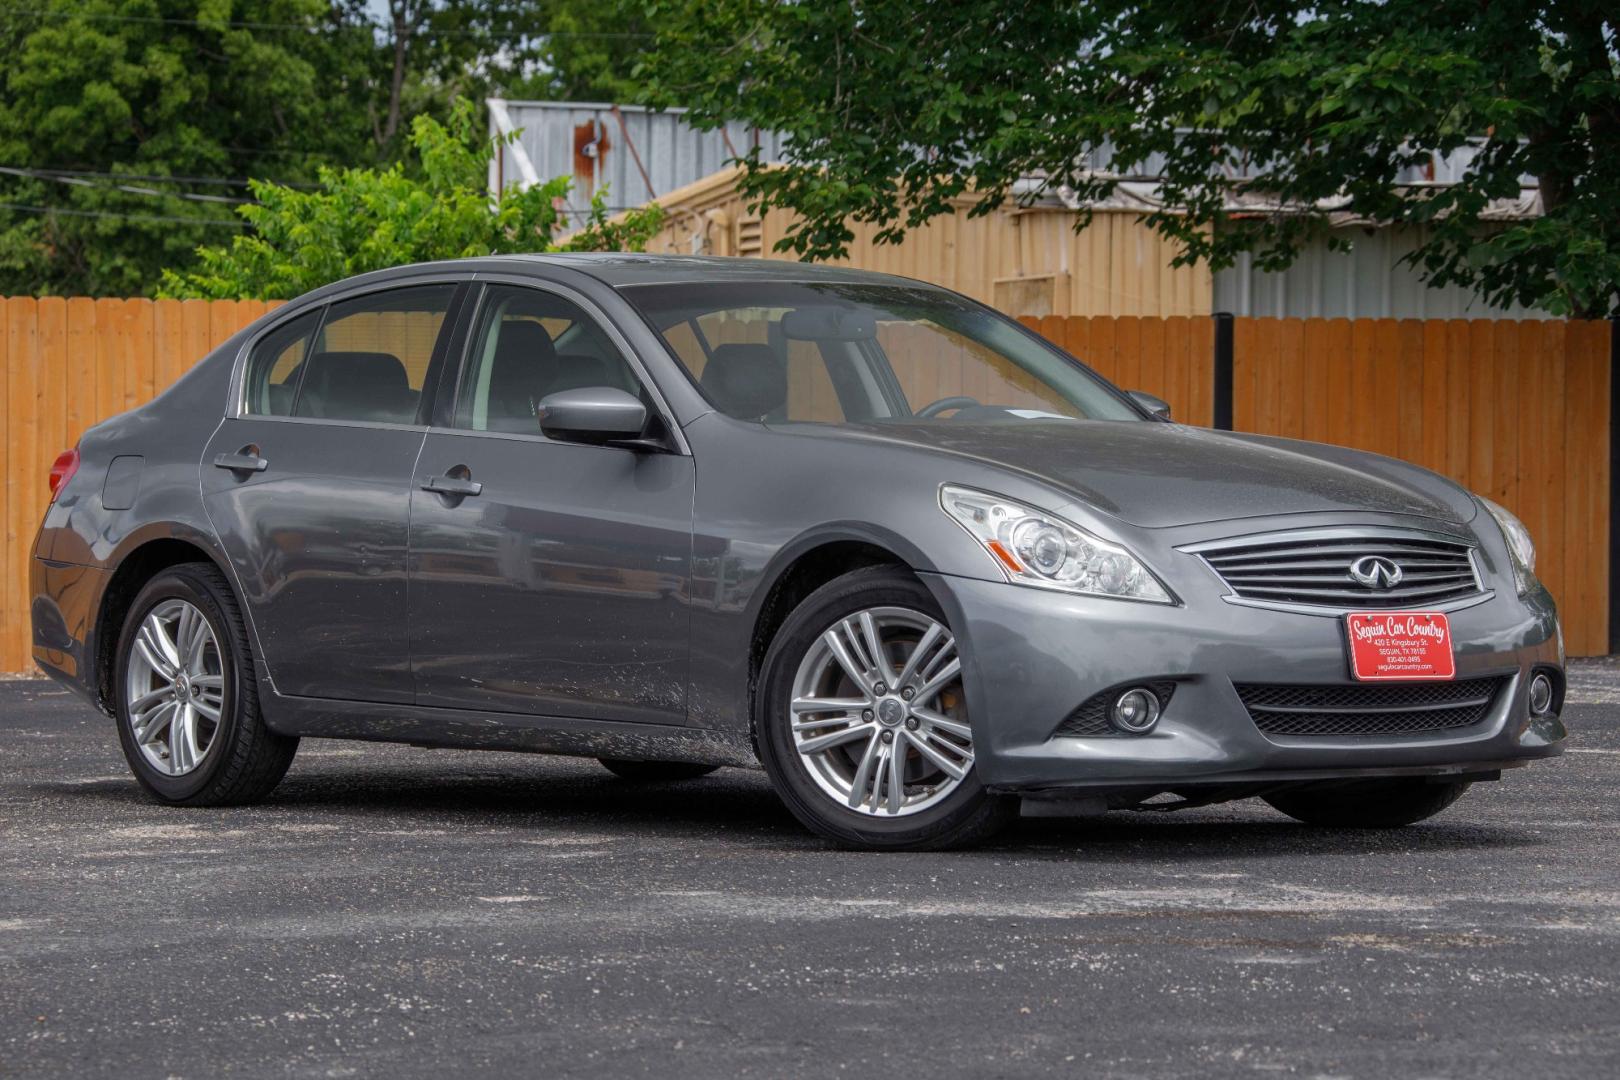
(555, 136)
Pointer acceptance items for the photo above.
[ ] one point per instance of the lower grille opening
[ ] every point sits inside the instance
(1090, 719)
(1386, 709)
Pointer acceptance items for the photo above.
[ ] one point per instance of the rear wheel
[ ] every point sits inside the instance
(863, 723)
(1368, 804)
(187, 701)
(649, 772)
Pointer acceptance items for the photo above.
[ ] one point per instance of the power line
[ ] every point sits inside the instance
(174, 178)
(231, 24)
(79, 181)
(151, 218)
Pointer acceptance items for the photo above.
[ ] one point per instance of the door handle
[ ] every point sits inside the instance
(245, 460)
(453, 486)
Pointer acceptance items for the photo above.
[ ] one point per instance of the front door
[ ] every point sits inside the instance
(309, 490)
(547, 577)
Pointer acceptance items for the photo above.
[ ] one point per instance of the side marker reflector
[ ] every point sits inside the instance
(1005, 557)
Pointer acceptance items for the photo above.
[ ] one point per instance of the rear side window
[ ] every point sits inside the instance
(371, 356)
(362, 359)
(275, 365)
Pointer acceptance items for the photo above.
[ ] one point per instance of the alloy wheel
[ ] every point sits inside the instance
(878, 716)
(175, 687)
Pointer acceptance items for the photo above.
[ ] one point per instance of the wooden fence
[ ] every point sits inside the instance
(66, 364)
(1518, 411)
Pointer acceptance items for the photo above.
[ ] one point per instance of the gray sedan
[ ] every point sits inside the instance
(677, 513)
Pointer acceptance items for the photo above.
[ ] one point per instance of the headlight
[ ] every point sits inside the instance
(1036, 548)
(1520, 546)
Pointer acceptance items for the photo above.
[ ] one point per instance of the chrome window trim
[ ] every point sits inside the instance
(1481, 595)
(236, 404)
(323, 421)
(593, 310)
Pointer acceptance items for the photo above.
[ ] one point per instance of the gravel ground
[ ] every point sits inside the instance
(399, 912)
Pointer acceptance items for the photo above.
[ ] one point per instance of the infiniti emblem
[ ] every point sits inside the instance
(891, 712)
(1376, 572)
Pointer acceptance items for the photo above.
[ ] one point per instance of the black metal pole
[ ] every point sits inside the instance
(1223, 371)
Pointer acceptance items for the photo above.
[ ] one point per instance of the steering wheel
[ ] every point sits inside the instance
(934, 408)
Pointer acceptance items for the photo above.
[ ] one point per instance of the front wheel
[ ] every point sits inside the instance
(862, 721)
(1368, 804)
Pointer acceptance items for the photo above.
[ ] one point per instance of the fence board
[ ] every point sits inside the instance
(22, 456)
(8, 609)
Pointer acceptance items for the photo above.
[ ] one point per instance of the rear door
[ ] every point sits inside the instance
(547, 577)
(308, 487)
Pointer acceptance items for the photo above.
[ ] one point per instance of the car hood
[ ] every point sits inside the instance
(1157, 475)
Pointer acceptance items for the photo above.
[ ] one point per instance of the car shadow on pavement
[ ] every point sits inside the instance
(738, 806)
(719, 807)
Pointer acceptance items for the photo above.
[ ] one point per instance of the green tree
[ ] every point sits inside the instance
(369, 219)
(126, 94)
(586, 50)
(1257, 118)
(405, 58)
(128, 127)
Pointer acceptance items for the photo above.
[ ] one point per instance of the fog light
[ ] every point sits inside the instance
(1136, 711)
(1541, 695)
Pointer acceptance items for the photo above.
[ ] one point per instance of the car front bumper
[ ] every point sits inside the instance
(1031, 657)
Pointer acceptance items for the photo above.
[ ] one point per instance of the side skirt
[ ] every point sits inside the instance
(463, 729)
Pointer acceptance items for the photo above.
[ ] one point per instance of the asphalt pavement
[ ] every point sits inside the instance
(411, 913)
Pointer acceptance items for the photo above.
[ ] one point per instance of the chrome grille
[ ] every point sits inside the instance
(1387, 709)
(1313, 569)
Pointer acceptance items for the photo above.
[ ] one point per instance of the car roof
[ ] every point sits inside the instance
(613, 269)
(619, 269)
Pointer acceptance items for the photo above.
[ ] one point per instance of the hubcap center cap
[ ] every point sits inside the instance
(891, 712)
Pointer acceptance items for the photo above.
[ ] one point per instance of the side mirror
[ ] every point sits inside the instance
(593, 414)
(1156, 407)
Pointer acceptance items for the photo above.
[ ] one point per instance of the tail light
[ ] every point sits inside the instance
(66, 464)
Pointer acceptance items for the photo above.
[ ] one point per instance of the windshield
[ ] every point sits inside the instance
(848, 353)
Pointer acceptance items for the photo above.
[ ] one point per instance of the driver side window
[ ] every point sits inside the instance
(528, 344)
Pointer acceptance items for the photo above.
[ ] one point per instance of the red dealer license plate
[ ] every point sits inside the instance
(1390, 645)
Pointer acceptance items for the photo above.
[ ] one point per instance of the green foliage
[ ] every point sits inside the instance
(891, 108)
(586, 50)
(369, 219)
(132, 90)
(108, 86)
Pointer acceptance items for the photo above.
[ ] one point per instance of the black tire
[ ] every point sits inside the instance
(969, 815)
(653, 772)
(1368, 804)
(246, 759)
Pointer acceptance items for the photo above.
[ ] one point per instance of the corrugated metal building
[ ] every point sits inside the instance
(1028, 261)
(638, 155)
(1368, 281)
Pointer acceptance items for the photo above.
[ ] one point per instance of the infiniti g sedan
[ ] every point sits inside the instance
(678, 513)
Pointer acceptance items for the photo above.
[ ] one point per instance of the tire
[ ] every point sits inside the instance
(936, 810)
(242, 759)
(1367, 804)
(652, 772)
